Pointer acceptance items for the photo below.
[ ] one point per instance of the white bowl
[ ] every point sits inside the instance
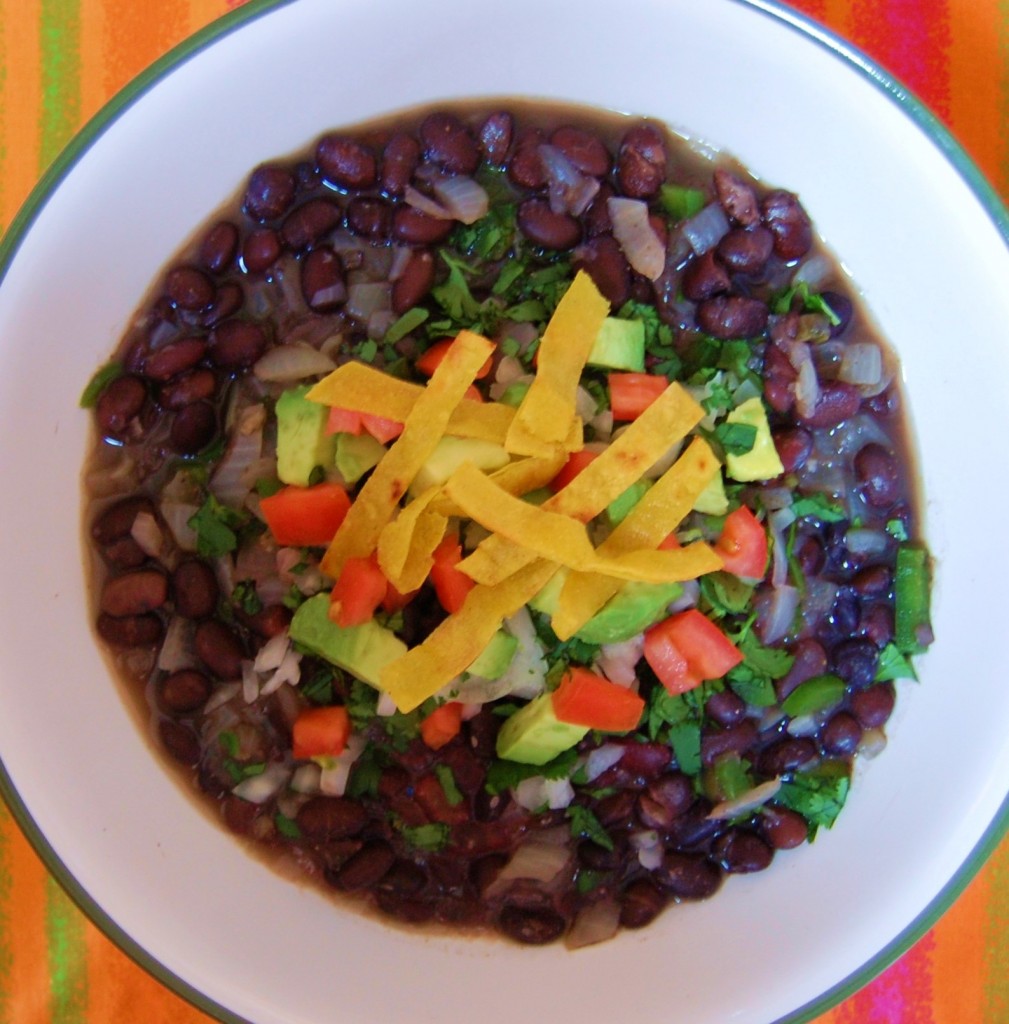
(921, 234)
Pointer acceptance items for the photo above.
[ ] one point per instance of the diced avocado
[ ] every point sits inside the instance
(713, 500)
(538, 496)
(681, 202)
(450, 453)
(619, 345)
(617, 509)
(356, 454)
(630, 611)
(302, 441)
(514, 393)
(493, 662)
(534, 735)
(363, 650)
(546, 600)
(761, 462)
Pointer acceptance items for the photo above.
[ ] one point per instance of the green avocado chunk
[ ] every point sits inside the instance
(534, 734)
(302, 441)
(619, 345)
(450, 453)
(363, 650)
(630, 611)
(493, 662)
(356, 454)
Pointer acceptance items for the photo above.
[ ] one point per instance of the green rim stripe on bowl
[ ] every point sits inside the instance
(80, 144)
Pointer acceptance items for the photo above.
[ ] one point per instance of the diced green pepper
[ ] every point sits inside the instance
(912, 624)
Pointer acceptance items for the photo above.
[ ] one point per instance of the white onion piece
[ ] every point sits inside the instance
(306, 779)
(288, 671)
(595, 923)
(873, 742)
(706, 229)
(570, 190)
(271, 654)
(538, 792)
(803, 725)
(618, 661)
(228, 484)
(862, 364)
(746, 802)
(386, 705)
(286, 364)
(499, 387)
(177, 647)
(257, 789)
(176, 515)
(602, 759)
(535, 860)
(862, 541)
(526, 675)
(367, 297)
(146, 532)
(585, 405)
(691, 592)
(779, 556)
(425, 204)
(777, 613)
(815, 271)
(649, 847)
(465, 199)
(379, 323)
(336, 770)
(508, 369)
(221, 696)
(636, 236)
(250, 683)
(807, 384)
(602, 424)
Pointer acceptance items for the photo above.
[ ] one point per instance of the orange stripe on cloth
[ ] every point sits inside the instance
(958, 964)
(136, 35)
(996, 936)
(94, 91)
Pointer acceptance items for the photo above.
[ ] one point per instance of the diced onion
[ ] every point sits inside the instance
(706, 229)
(537, 792)
(336, 770)
(585, 405)
(306, 779)
(295, 361)
(601, 759)
(288, 671)
(176, 515)
(776, 613)
(271, 654)
(807, 384)
(425, 204)
(221, 696)
(177, 648)
(746, 802)
(466, 200)
(229, 484)
(250, 683)
(257, 789)
(386, 705)
(146, 532)
(367, 297)
(535, 860)
(873, 742)
(803, 725)
(815, 271)
(597, 922)
(618, 661)
(866, 543)
(570, 190)
(861, 364)
(649, 847)
(636, 236)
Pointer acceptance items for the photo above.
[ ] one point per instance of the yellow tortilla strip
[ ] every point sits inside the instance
(670, 417)
(457, 642)
(519, 477)
(362, 388)
(550, 535)
(654, 517)
(547, 411)
(378, 499)
(406, 545)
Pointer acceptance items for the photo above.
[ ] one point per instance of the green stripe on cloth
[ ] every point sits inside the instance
(6, 925)
(68, 972)
(59, 38)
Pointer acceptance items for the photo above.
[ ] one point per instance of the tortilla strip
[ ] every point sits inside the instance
(459, 640)
(654, 517)
(406, 545)
(547, 411)
(519, 477)
(362, 388)
(555, 537)
(378, 499)
(670, 417)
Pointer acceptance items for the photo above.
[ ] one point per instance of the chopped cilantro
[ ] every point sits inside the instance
(101, 379)
(244, 596)
(367, 350)
(267, 486)
(362, 704)
(229, 742)
(818, 794)
(585, 825)
(294, 598)
(505, 710)
(769, 661)
(366, 773)
(489, 238)
(725, 593)
(751, 686)
(318, 687)
(431, 837)
(897, 529)
(505, 775)
(586, 880)
(216, 528)
(732, 776)
(448, 784)
(286, 826)
(810, 302)
(893, 664)
(454, 295)
(819, 506)
(401, 729)
(736, 438)
(409, 321)
(685, 739)
(681, 202)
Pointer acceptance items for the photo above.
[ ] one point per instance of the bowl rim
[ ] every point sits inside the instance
(892, 87)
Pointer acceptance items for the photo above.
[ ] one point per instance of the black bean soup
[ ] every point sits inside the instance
(372, 247)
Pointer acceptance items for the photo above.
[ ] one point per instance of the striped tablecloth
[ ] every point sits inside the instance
(60, 60)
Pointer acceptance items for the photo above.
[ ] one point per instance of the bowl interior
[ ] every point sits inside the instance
(932, 265)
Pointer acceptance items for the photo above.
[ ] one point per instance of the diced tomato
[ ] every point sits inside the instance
(394, 601)
(632, 393)
(321, 731)
(431, 359)
(577, 461)
(430, 794)
(671, 543)
(687, 648)
(305, 516)
(359, 589)
(343, 421)
(380, 428)
(584, 698)
(743, 545)
(474, 393)
(442, 725)
(450, 584)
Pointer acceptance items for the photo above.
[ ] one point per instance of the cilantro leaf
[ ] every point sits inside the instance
(409, 321)
(819, 506)
(431, 837)
(585, 825)
(736, 438)
(448, 784)
(818, 794)
(366, 773)
(505, 775)
(893, 664)
(725, 593)
(286, 826)
(244, 596)
(685, 739)
(216, 527)
(362, 704)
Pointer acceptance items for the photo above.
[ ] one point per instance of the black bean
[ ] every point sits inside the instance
(604, 261)
(525, 168)
(810, 554)
(134, 593)
(640, 904)
(412, 911)
(598, 858)
(782, 827)
(725, 708)
(119, 403)
(404, 878)
(346, 162)
(616, 809)
(842, 307)
(734, 740)
(184, 690)
(495, 137)
(132, 631)
(322, 280)
(240, 815)
(195, 386)
(741, 852)
(874, 705)
(193, 428)
(175, 357)
(704, 277)
(878, 475)
(841, 735)
(414, 283)
(195, 588)
(788, 222)
(531, 927)
(794, 446)
(219, 648)
(596, 219)
(180, 741)
(309, 223)
(746, 251)
(369, 217)
(237, 344)
(260, 250)
(549, 230)
(416, 228)
(230, 299)
(673, 790)
(366, 867)
(875, 623)
(855, 661)
(447, 142)
(837, 402)
(399, 161)
(874, 581)
(737, 198)
(189, 288)
(786, 755)
(641, 162)
(732, 316)
(694, 828)
(324, 818)
(810, 659)
(645, 761)
(116, 520)
(688, 876)
(779, 380)
(270, 192)
(124, 553)
(219, 245)
(269, 621)
(583, 149)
